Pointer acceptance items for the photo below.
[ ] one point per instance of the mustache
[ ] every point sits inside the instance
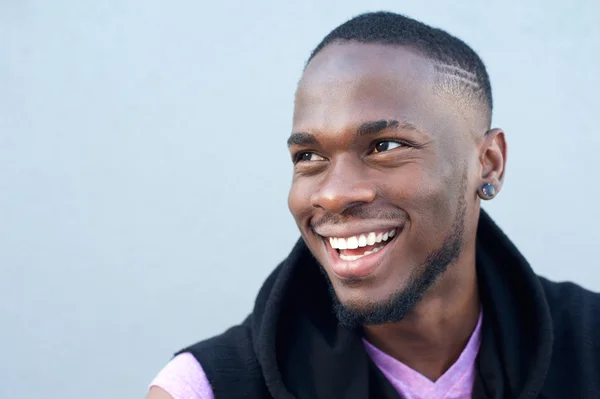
(363, 213)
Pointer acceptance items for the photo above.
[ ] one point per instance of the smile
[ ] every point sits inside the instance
(358, 256)
(359, 246)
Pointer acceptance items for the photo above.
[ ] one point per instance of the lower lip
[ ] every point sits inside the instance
(359, 268)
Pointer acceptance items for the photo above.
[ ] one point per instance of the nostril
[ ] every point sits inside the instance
(338, 195)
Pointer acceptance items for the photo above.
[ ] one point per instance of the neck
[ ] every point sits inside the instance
(431, 338)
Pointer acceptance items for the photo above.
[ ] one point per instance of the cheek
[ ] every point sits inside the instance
(299, 200)
(429, 196)
(411, 185)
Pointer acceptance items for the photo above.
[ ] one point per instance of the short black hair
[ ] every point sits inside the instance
(458, 63)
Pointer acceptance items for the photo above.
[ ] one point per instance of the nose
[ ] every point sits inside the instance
(343, 188)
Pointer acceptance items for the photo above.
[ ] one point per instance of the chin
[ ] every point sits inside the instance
(366, 301)
(354, 313)
(382, 298)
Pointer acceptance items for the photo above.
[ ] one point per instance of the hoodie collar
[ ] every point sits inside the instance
(304, 353)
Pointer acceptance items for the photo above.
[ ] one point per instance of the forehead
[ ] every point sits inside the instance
(352, 82)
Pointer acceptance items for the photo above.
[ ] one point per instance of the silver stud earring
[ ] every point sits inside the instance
(487, 192)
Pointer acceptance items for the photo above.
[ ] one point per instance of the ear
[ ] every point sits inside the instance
(493, 158)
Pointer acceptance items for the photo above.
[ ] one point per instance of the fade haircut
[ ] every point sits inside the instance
(460, 70)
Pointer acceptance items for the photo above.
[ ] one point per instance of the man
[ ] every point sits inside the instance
(401, 287)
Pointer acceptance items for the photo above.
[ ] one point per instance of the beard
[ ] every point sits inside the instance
(404, 301)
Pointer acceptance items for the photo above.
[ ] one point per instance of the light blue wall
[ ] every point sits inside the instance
(144, 173)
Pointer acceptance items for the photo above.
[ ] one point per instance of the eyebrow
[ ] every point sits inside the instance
(369, 128)
(301, 139)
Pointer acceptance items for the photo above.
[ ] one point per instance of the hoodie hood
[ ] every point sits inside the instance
(304, 353)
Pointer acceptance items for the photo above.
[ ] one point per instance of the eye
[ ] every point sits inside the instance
(307, 156)
(383, 146)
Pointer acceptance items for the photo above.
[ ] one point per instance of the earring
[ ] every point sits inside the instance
(487, 192)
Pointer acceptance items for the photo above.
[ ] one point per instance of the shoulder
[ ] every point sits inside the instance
(182, 377)
(575, 363)
(230, 363)
(224, 365)
(573, 307)
(228, 347)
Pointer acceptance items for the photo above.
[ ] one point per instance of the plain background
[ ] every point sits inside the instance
(144, 172)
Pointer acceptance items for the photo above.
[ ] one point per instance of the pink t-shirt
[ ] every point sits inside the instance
(183, 377)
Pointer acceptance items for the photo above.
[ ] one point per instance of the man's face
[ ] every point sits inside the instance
(385, 175)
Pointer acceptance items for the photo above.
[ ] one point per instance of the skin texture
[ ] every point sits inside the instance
(421, 173)
(158, 393)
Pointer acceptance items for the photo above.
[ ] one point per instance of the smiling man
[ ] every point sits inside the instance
(401, 286)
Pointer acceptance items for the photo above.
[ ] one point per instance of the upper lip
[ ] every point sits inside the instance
(355, 228)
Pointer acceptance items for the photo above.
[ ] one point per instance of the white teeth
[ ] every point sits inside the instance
(361, 240)
(352, 242)
(350, 257)
(355, 257)
(370, 239)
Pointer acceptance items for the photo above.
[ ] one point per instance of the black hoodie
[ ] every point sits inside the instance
(539, 339)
